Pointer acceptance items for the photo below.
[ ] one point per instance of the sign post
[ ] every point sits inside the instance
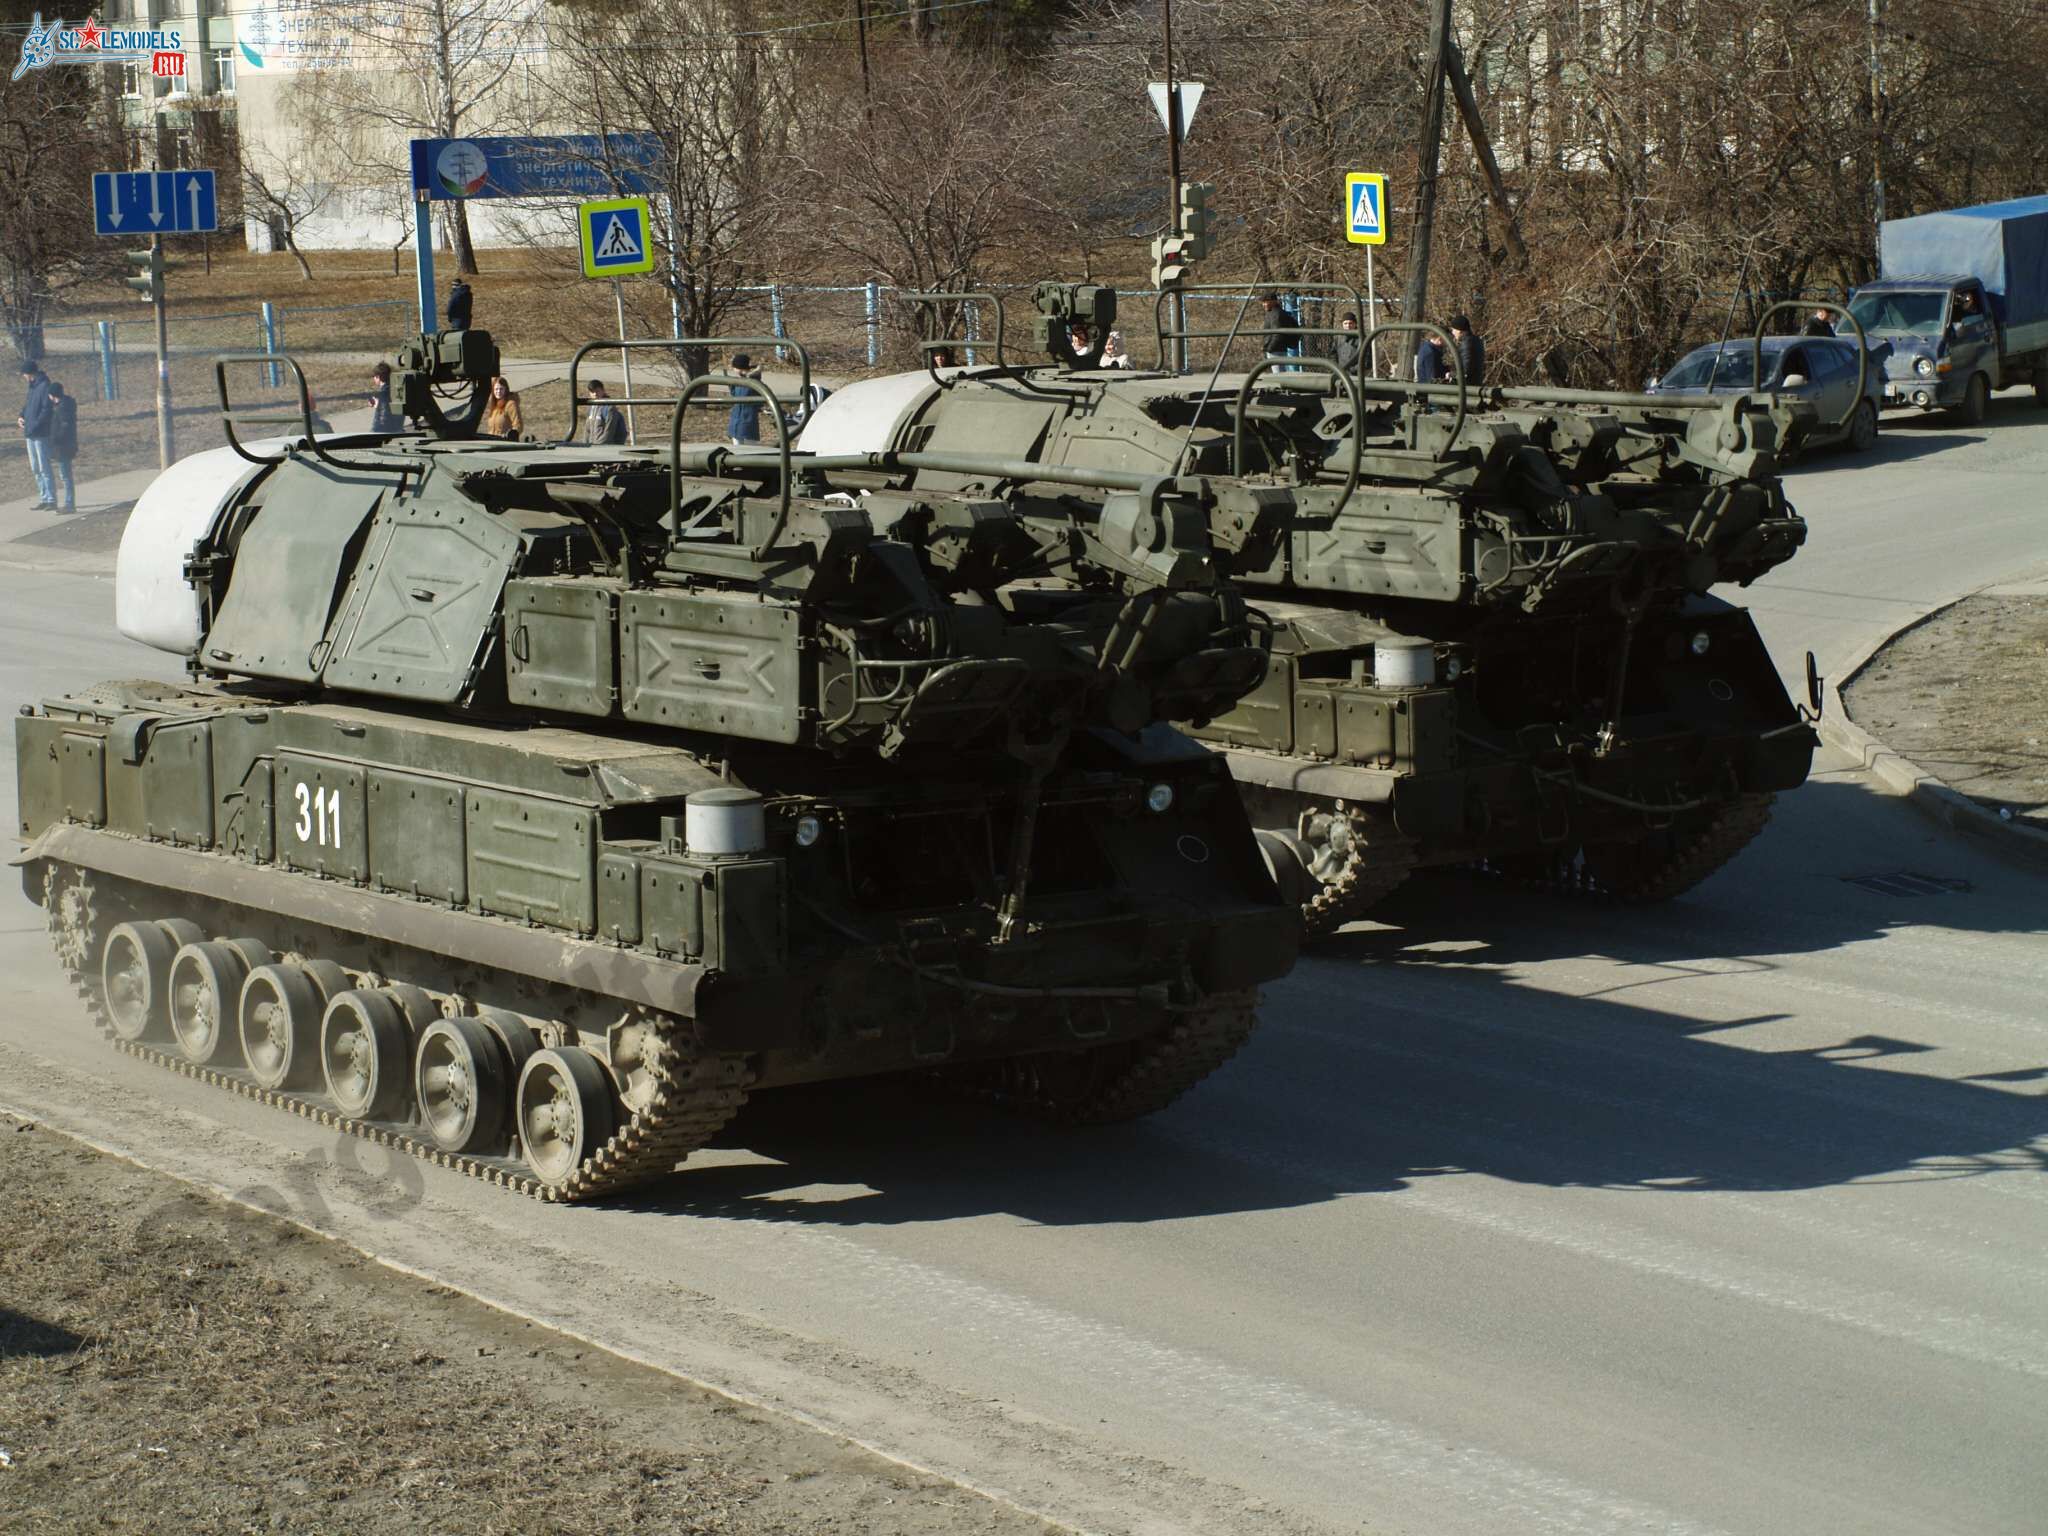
(1365, 223)
(155, 203)
(556, 168)
(613, 235)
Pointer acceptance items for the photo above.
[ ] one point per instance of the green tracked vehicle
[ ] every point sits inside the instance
(530, 805)
(1494, 634)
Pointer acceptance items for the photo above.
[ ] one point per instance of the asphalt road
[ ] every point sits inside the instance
(1516, 1216)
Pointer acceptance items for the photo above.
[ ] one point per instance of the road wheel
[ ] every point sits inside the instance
(565, 1112)
(135, 976)
(205, 992)
(366, 1054)
(1976, 402)
(280, 1014)
(1863, 429)
(461, 1082)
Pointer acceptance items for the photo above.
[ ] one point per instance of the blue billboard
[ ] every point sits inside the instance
(574, 165)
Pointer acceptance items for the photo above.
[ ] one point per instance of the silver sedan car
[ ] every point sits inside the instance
(1820, 370)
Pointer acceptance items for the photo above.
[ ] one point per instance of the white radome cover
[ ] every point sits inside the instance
(863, 416)
(153, 603)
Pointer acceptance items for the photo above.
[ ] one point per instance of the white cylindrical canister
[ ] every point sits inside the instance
(1403, 663)
(718, 823)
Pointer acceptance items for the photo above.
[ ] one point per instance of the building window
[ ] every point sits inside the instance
(132, 81)
(178, 84)
(224, 71)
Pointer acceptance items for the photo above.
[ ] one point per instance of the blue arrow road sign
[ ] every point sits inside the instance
(153, 202)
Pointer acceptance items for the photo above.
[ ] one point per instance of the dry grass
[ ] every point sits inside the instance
(169, 1363)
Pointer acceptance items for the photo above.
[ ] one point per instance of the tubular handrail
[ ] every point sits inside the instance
(675, 458)
(1244, 398)
(230, 414)
(1431, 328)
(671, 344)
(1756, 357)
(942, 296)
(1235, 290)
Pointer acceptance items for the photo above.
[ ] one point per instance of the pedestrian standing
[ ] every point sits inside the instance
(605, 423)
(502, 417)
(1283, 328)
(382, 417)
(1471, 351)
(743, 421)
(35, 431)
(1349, 345)
(64, 442)
(458, 305)
(1818, 324)
(1429, 360)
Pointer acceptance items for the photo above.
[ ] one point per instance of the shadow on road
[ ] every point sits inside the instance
(1415, 1048)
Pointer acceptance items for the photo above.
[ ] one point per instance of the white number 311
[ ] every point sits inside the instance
(319, 820)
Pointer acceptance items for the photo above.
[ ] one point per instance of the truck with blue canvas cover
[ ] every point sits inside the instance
(1962, 298)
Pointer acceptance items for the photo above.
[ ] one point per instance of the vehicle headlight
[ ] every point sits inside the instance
(1159, 799)
(1923, 366)
(1701, 642)
(808, 830)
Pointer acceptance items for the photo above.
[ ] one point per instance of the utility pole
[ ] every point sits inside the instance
(1429, 152)
(1482, 145)
(1180, 303)
(1876, 136)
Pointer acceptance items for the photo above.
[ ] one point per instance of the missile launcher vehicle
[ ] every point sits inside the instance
(527, 806)
(1495, 636)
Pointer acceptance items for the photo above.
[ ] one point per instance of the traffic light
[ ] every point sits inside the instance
(1195, 217)
(148, 281)
(1169, 261)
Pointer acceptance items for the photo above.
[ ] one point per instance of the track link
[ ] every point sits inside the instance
(1121, 1081)
(689, 1097)
(1375, 870)
(1722, 834)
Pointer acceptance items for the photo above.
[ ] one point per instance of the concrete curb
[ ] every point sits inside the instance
(1927, 793)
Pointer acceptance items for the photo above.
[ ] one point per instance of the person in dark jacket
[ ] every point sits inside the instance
(1283, 328)
(382, 417)
(1429, 361)
(1818, 324)
(458, 306)
(605, 423)
(35, 431)
(64, 442)
(743, 421)
(1471, 351)
(1349, 345)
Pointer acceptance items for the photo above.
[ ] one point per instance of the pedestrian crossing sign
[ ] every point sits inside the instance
(614, 237)
(1365, 208)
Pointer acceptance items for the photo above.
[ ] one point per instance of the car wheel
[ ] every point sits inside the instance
(1863, 428)
(1976, 402)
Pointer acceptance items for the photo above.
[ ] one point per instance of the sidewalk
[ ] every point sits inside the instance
(1959, 691)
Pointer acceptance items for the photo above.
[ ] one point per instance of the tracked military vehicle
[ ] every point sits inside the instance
(530, 805)
(1495, 640)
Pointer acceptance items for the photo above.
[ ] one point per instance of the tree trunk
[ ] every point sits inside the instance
(291, 243)
(458, 226)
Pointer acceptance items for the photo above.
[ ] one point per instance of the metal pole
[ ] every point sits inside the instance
(110, 372)
(423, 261)
(625, 354)
(675, 282)
(1876, 138)
(1180, 303)
(775, 318)
(1372, 309)
(273, 373)
(166, 447)
(874, 324)
(1428, 152)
